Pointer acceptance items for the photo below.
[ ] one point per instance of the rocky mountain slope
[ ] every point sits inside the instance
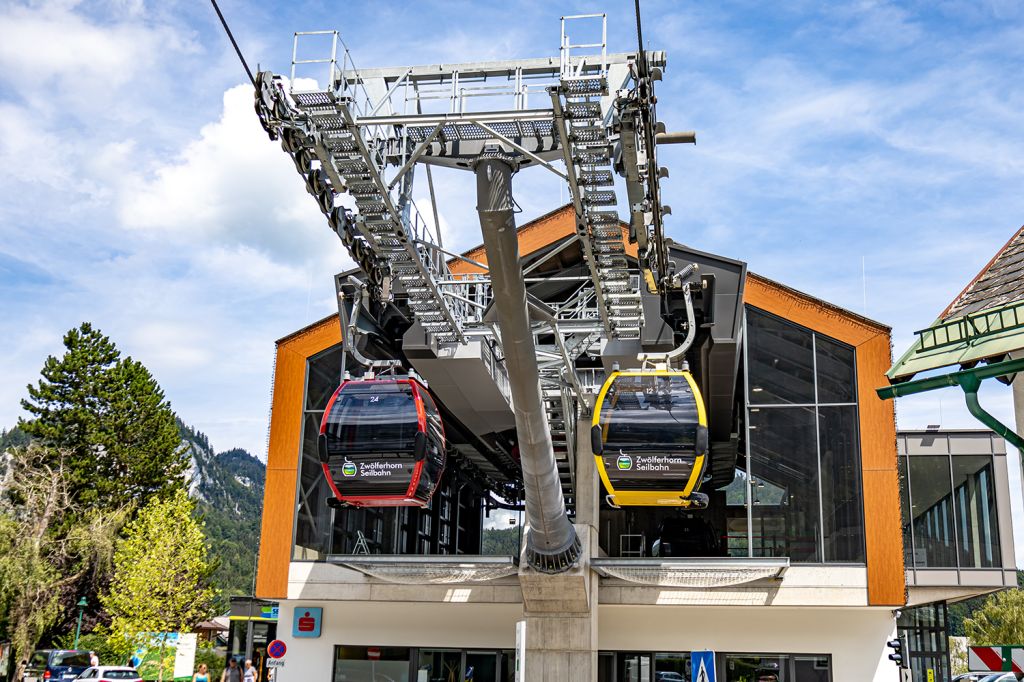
(228, 488)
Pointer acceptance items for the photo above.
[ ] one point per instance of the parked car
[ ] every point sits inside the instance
(999, 677)
(668, 677)
(109, 673)
(970, 677)
(54, 665)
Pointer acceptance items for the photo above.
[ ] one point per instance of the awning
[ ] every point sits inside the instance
(963, 341)
(706, 573)
(428, 570)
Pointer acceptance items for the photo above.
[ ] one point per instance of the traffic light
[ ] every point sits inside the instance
(899, 652)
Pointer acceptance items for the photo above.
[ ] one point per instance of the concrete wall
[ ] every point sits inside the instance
(855, 637)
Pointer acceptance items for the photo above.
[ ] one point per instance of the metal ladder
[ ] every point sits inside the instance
(587, 151)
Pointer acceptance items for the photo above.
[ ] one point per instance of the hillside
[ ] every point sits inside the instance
(228, 488)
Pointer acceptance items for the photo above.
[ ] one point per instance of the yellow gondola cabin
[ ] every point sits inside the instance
(650, 438)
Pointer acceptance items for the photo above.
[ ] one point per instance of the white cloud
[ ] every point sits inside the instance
(231, 186)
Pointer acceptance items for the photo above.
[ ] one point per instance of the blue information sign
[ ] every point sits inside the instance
(306, 621)
(702, 666)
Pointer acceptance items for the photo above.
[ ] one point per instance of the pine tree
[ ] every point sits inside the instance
(161, 575)
(110, 415)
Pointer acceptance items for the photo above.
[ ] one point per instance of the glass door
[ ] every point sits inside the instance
(441, 665)
(634, 668)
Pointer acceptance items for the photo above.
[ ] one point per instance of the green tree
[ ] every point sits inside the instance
(161, 575)
(42, 555)
(1000, 620)
(112, 418)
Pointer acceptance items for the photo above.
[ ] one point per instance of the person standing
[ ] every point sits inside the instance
(94, 660)
(202, 675)
(232, 673)
(249, 674)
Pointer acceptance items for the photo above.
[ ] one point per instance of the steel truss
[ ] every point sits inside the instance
(365, 132)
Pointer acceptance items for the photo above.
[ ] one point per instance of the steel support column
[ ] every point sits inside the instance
(552, 543)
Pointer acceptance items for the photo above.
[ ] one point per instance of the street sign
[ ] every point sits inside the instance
(275, 662)
(373, 653)
(702, 666)
(983, 659)
(277, 649)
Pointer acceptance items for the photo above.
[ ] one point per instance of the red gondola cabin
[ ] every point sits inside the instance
(382, 443)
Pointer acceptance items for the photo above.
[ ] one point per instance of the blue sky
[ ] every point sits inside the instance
(138, 192)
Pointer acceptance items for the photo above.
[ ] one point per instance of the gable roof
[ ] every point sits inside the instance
(999, 283)
(984, 321)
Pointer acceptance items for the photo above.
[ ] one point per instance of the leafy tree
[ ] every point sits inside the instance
(42, 555)
(1000, 620)
(161, 575)
(110, 415)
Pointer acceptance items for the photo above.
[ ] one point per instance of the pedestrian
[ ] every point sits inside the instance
(94, 660)
(249, 675)
(232, 673)
(202, 675)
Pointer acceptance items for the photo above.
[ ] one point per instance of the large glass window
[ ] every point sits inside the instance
(803, 443)
(645, 666)
(931, 506)
(949, 506)
(974, 499)
(371, 664)
(786, 514)
(780, 357)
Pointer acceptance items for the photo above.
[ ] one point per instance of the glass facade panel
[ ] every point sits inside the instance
(322, 379)
(747, 668)
(786, 515)
(780, 358)
(636, 666)
(371, 664)
(925, 631)
(908, 540)
(803, 439)
(950, 516)
(931, 511)
(843, 520)
(836, 370)
(974, 497)
(313, 520)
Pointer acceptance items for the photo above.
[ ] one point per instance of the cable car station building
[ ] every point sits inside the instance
(695, 456)
(801, 566)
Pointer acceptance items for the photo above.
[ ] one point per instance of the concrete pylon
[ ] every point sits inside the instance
(561, 609)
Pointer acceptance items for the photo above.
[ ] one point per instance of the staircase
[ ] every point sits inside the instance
(587, 152)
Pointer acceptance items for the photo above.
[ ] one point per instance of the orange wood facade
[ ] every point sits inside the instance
(883, 531)
(882, 525)
(283, 452)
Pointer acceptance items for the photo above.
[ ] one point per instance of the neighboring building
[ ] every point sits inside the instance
(797, 571)
(957, 532)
